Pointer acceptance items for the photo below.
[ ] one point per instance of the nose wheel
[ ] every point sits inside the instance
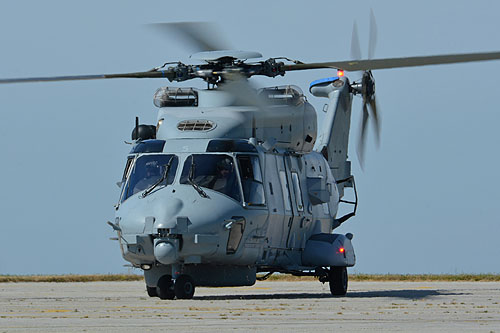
(184, 287)
(165, 287)
(338, 279)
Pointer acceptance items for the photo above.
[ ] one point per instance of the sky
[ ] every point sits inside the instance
(428, 196)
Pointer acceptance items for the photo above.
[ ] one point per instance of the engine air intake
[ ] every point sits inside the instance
(166, 96)
(196, 125)
(287, 95)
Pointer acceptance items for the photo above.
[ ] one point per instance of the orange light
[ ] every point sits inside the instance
(341, 250)
(340, 73)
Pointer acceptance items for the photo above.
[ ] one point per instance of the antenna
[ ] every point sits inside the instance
(136, 129)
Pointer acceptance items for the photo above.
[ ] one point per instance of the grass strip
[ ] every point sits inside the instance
(426, 277)
(275, 277)
(399, 277)
(70, 278)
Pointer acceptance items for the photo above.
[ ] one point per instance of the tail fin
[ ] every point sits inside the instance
(333, 138)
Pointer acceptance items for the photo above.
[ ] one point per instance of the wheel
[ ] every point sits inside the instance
(338, 281)
(164, 287)
(151, 291)
(184, 287)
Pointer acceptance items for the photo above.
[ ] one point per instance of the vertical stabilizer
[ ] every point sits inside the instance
(333, 138)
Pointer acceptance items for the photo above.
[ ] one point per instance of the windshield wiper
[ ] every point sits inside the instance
(163, 177)
(193, 183)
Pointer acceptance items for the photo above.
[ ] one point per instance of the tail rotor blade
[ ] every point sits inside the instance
(362, 135)
(376, 119)
(372, 41)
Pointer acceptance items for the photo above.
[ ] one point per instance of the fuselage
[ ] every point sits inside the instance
(268, 194)
(227, 186)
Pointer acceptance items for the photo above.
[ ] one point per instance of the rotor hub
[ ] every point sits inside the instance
(368, 86)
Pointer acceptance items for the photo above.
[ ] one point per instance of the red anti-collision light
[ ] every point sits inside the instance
(341, 250)
(340, 73)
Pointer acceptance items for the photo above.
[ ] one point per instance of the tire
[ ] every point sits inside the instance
(184, 287)
(164, 288)
(338, 280)
(151, 291)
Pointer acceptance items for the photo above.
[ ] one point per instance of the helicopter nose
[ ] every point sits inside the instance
(135, 214)
(165, 253)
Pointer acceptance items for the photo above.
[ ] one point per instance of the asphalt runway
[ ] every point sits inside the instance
(267, 306)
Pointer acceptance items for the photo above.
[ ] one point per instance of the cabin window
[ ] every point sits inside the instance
(326, 209)
(284, 190)
(215, 172)
(225, 146)
(251, 180)
(148, 146)
(148, 170)
(298, 192)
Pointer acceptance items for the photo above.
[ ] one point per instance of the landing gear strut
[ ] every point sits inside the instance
(337, 278)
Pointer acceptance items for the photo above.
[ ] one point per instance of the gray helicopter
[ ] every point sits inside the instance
(233, 181)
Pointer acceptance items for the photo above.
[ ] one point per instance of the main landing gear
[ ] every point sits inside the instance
(166, 288)
(338, 279)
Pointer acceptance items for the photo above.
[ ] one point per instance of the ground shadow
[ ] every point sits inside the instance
(405, 294)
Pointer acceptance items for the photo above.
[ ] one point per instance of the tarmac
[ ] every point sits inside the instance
(267, 306)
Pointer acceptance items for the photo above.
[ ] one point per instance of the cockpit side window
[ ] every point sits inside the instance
(127, 168)
(148, 170)
(212, 171)
(251, 180)
(126, 172)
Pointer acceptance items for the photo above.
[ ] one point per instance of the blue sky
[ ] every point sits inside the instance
(428, 197)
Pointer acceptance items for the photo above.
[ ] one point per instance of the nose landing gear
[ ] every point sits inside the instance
(165, 287)
(182, 288)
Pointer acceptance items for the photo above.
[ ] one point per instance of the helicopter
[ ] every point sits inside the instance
(233, 181)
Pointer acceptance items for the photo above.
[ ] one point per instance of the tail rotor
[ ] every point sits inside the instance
(366, 88)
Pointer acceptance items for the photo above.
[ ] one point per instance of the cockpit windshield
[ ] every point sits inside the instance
(148, 170)
(215, 172)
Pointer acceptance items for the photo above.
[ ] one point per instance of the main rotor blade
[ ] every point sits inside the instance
(363, 65)
(202, 36)
(355, 47)
(243, 91)
(138, 75)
